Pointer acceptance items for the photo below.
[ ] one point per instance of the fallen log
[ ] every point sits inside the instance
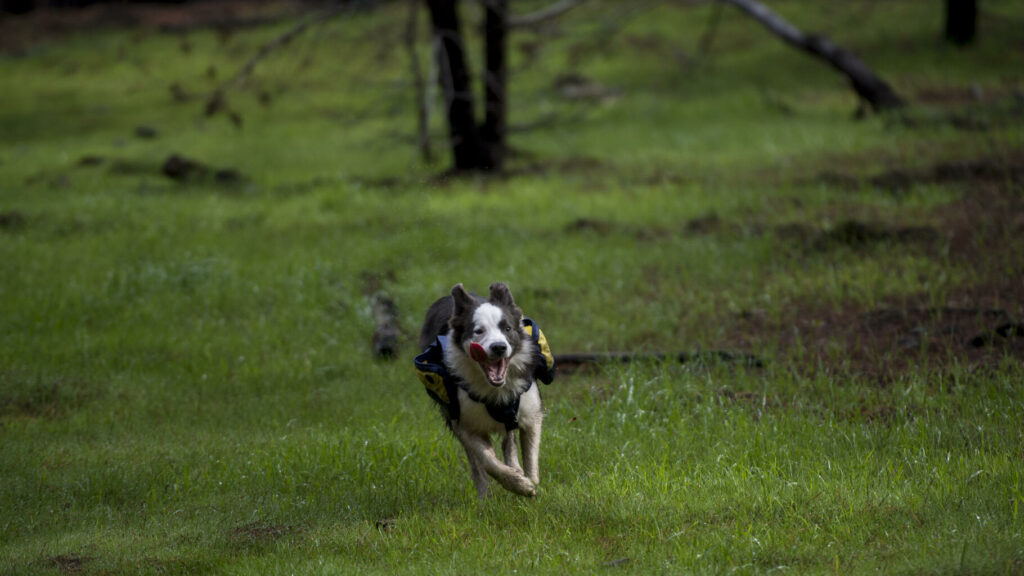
(574, 361)
(388, 331)
(865, 82)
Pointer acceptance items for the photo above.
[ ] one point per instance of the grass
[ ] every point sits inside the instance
(186, 383)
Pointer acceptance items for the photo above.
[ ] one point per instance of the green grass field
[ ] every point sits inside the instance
(186, 378)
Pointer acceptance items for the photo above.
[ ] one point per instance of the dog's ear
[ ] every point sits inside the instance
(461, 298)
(500, 294)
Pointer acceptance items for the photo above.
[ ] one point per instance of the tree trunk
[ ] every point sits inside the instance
(453, 76)
(17, 6)
(483, 147)
(865, 82)
(961, 21)
(419, 85)
(495, 83)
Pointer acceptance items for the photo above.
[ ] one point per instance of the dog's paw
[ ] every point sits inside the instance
(521, 485)
(529, 492)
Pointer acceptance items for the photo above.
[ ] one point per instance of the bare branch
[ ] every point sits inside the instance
(772, 21)
(865, 82)
(216, 100)
(265, 50)
(712, 28)
(553, 11)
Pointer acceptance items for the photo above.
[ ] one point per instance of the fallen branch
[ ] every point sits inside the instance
(216, 100)
(574, 361)
(866, 83)
(388, 331)
(1004, 332)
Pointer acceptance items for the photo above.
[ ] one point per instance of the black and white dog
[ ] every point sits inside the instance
(480, 363)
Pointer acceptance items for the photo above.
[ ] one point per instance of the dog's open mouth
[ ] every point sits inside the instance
(494, 369)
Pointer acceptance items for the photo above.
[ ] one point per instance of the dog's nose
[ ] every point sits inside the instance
(499, 349)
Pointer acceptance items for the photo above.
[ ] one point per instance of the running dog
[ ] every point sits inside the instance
(480, 363)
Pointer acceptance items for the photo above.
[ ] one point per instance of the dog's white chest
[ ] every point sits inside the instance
(474, 416)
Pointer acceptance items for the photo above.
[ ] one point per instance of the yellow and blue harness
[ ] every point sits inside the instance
(443, 386)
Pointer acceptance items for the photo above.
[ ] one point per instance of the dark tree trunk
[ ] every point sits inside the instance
(495, 82)
(865, 82)
(418, 84)
(17, 6)
(961, 21)
(467, 146)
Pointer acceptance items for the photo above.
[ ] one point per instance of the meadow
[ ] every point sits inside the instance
(187, 384)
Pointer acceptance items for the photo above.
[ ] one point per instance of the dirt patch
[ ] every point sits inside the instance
(980, 322)
(146, 132)
(90, 160)
(12, 221)
(182, 169)
(69, 563)
(260, 534)
(42, 399)
(886, 341)
(1002, 334)
(177, 167)
(855, 234)
(975, 171)
(897, 180)
(599, 227)
(700, 226)
(984, 224)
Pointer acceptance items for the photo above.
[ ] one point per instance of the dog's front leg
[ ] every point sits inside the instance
(476, 470)
(510, 452)
(480, 448)
(529, 435)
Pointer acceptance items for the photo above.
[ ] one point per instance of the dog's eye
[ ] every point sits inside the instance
(478, 331)
(508, 328)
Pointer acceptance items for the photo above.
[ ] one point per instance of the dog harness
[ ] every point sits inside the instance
(443, 386)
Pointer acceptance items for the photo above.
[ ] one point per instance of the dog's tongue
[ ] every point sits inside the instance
(495, 370)
(477, 352)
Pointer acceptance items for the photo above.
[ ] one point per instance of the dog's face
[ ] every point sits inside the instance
(488, 331)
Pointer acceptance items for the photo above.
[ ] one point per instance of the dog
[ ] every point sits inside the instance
(480, 363)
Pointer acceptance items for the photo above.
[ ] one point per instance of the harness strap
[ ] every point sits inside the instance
(507, 414)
